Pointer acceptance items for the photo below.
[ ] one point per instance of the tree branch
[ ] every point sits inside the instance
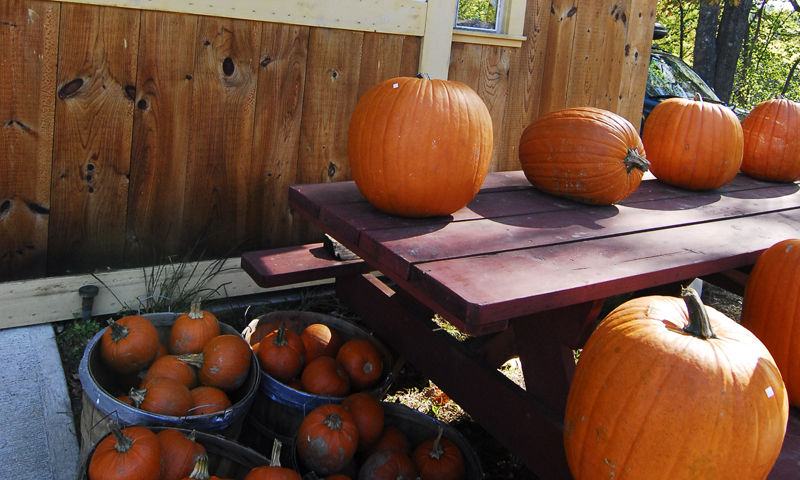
(789, 76)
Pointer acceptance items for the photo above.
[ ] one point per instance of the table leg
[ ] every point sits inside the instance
(520, 421)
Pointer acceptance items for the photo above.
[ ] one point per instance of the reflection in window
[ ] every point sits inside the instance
(481, 15)
(673, 78)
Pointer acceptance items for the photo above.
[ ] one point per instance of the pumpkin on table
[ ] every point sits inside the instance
(129, 344)
(327, 439)
(693, 144)
(663, 386)
(420, 147)
(771, 309)
(133, 453)
(586, 154)
(771, 143)
(192, 330)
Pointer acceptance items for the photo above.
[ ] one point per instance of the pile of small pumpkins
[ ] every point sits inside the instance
(138, 453)
(350, 441)
(192, 375)
(318, 360)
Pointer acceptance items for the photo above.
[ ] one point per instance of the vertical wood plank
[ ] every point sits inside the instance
(636, 62)
(94, 119)
(276, 137)
(409, 64)
(332, 81)
(587, 58)
(526, 68)
(560, 37)
(28, 59)
(162, 119)
(221, 137)
(381, 56)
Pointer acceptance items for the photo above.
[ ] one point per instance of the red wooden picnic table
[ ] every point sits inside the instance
(526, 275)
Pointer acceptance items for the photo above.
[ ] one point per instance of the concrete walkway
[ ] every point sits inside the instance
(38, 440)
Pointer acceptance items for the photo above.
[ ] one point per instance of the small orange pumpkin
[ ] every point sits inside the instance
(273, 471)
(362, 361)
(771, 144)
(207, 400)
(192, 330)
(129, 344)
(367, 412)
(180, 451)
(325, 376)
(327, 439)
(693, 144)
(585, 154)
(439, 459)
(392, 438)
(420, 147)
(281, 354)
(172, 367)
(388, 465)
(164, 396)
(133, 453)
(320, 339)
(224, 362)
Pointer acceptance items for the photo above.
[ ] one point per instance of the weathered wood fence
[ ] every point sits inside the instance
(128, 135)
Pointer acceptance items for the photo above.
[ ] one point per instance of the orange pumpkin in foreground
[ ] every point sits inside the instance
(133, 453)
(659, 390)
(585, 154)
(771, 309)
(420, 147)
(327, 439)
(771, 142)
(693, 144)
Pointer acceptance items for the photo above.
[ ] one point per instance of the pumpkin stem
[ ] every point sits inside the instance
(124, 443)
(200, 471)
(193, 359)
(194, 309)
(698, 97)
(280, 337)
(699, 323)
(634, 160)
(118, 332)
(275, 460)
(437, 450)
(334, 421)
(137, 396)
(423, 75)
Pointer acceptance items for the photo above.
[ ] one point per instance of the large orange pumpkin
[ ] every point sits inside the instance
(771, 309)
(420, 147)
(771, 142)
(660, 390)
(586, 154)
(693, 144)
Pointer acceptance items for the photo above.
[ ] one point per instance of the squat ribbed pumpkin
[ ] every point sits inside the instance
(585, 154)
(771, 142)
(771, 309)
(420, 147)
(693, 144)
(663, 387)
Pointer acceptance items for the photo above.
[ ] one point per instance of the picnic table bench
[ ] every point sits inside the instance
(526, 274)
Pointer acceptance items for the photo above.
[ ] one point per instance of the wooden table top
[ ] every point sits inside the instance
(514, 251)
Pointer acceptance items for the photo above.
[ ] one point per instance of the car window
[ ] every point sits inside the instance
(671, 77)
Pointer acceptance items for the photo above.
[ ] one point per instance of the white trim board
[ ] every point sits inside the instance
(53, 299)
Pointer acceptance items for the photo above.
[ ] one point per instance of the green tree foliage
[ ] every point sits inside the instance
(768, 63)
(480, 13)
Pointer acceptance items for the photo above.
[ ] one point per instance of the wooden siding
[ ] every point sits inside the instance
(128, 136)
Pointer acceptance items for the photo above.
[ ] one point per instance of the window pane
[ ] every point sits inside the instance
(478, 14)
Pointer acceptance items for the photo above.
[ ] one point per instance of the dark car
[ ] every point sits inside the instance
(671, 77)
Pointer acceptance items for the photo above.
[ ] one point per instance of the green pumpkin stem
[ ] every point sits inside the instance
(334, 421)
(118, 332)
(437, 450)
(280, 337)
(200, 471)
(193, 359)
(124, 443)
(634, 160)
(194, 309)
(275, 459)
(699, 323)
